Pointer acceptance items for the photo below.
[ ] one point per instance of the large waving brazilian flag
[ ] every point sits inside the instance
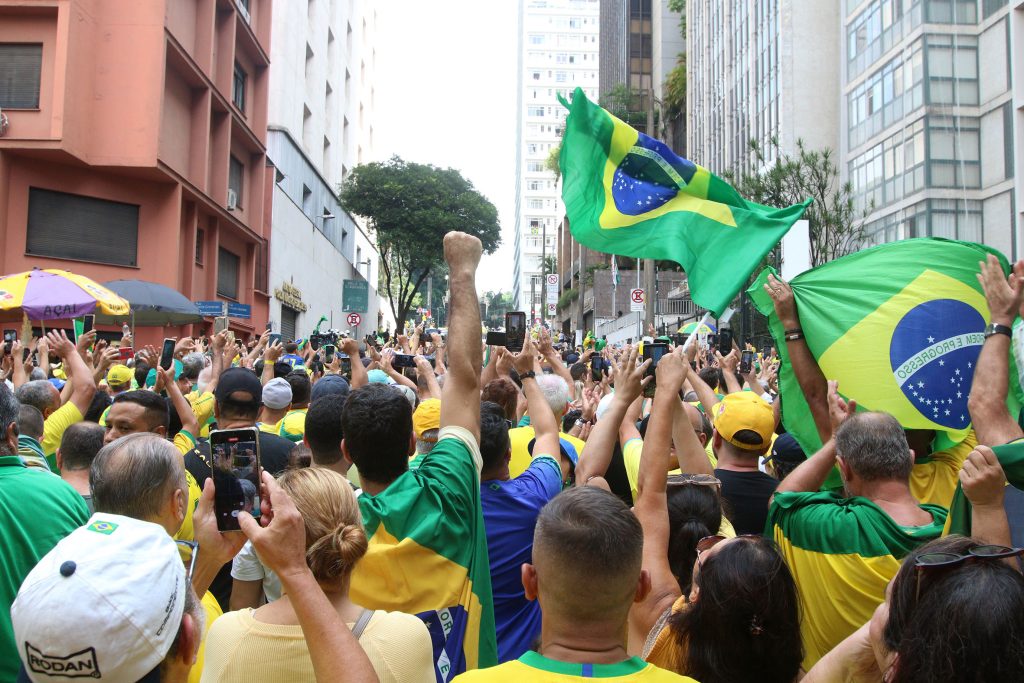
(899, 325)
(626, 193)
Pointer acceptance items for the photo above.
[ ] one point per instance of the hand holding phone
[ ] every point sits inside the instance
(235, 465)
(515, 331)
(725, 342)
(167, 353)
(653, 351)
(746, 362)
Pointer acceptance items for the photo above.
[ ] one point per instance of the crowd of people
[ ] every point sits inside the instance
(547, 514)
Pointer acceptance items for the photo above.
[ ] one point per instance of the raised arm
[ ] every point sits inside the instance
(652, 502)
(553, 358)
(984, 484)
(386, 364)
(987, 401)
(805, 366)
(439, 351)
(359, 375)
(460, 399)
(690, 455)
(84, 385)
(541, 418)
(597, 454)
(424, 370)
(18, 366)
(181, 405)
(729, 363)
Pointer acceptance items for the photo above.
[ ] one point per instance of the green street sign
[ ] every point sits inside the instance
(355, 296)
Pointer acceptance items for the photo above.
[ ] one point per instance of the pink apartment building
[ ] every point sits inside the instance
(135, 144)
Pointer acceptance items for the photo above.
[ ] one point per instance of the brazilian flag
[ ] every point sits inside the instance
(899, 325)
(626, 193)
(1011, 458)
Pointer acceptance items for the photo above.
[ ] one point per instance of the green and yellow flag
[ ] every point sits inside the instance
(900, 326)
(629, 194)
(1011, 458)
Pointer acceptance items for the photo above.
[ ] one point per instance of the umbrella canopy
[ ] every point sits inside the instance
(152, 305)
(54, 294)
(690, 328)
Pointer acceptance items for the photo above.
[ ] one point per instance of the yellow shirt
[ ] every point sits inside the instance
(934, 479)
(54, 428)
(521, 458)
(293, 425)
(213, 612)
(202, 408)
(185, 442)
(243, 650)
(537, 668)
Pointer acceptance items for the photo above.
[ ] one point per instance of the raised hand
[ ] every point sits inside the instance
(59, 343)
(1004, 294)
(785, 304)
(839, 409)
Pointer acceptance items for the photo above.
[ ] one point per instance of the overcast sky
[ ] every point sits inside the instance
(446, 95)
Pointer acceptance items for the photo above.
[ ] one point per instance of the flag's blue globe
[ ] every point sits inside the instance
(933, 353)
(649, 176)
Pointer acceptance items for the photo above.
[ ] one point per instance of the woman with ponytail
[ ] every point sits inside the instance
(267, 644)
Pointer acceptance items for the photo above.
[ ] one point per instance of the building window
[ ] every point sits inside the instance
(20, 65)
(954, 152)
(81, 228)
(535, 111)
(200, 245)
(289, 322)
(238, 87)
(262, 283)
(228, 264)
(236, 174)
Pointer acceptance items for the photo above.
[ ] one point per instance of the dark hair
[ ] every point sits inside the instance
(291, 347)
(569, 419)
(323, 428)
(505, 393)
(141, 372)
(301, 386)
(377, 423)
(967, 624)
(712, 377)
(38, 393)
(154, 404)
(30, 421)
(100, 402)
(745, 623)
(590, 543)
(694, 511)
(494, 441)
(80, 444)
(577, 371)
(8, 413)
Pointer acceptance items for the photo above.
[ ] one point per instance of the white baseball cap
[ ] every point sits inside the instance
(105, 604)
(277, 394)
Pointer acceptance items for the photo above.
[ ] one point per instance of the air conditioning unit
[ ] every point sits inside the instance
(232, 200)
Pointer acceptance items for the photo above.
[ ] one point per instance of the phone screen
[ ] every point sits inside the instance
(597, 368)
(9, 337)
(404, 360)
(235, 456)
(329, 353)
(167, 354)
(746, 361)
(654, 351)
(725, 342)
(87, 323)
(220, 324)
(515, 330)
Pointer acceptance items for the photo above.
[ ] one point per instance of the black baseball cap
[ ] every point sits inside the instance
(235, 381)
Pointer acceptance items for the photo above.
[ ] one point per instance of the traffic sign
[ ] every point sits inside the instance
(354, 319)
(552, 309)
(239, 311)
(553, 279)
(213, 309)
(636, 300)
(552, 284)
(355, 295)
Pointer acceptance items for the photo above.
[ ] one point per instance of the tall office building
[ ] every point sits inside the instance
(760, 70)
(557, 53)
(929, 118)
(320, 128)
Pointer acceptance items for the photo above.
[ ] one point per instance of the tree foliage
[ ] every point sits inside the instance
(836, 226)
(410, 207)
(496, 304)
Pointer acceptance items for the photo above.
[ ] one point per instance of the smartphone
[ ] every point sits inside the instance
(597, 368)
(496, 338)
(125, 353)
(25, 353)
(270, 326)
(167, 353)
(274, 338)
(9, 337)
(235, 457)
(654, 351)
(88, 322)
(681, 338)
(515, 330)
(220, 323)
(329, 353)
(725, 342)
(404, 360)
(712, 340)
(746, 362)
(432, 330)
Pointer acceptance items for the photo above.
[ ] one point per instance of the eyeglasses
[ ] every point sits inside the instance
(189, 551)
(695, 479)
(937, 562)
(707, 543)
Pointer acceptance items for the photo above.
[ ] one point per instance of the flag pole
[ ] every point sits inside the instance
(703, 321)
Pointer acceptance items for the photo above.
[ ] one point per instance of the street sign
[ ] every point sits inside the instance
(552, 283)
(212, 309)
(636, 300)
(239, 311)
(552, 309)
(553, 280)
(354, 319)
(355, 296)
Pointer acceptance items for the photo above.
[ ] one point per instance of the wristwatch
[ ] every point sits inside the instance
(527, 375)
(996, 328)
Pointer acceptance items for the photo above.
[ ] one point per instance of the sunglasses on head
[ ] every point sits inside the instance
(695, 479)
(937, 562)
(189, 551)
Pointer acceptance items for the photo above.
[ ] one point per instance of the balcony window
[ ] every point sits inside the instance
(81, 228)
(228, 264)
(238, 87)
(20, 65)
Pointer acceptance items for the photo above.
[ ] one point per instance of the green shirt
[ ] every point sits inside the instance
(37, 510)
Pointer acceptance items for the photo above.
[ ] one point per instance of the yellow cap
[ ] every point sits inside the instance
(745, 411)
(426, 417)
(119, 375)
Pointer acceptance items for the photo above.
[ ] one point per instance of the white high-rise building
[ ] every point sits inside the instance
(557, 53)
(320, 126)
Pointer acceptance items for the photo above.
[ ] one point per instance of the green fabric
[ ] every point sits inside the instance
(37, 510)
(899, 325)
(627, 667)
(826, 522)
(1011, 457)
(658, 205)
(32, 452)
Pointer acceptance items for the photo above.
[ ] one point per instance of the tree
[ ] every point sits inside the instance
(410, 207)
(836, 225)
(496, 305)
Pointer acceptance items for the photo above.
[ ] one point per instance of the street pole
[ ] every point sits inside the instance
(650, 275)
(639, 315)
(543, 275)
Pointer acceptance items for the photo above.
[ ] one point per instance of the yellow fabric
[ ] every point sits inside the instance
(293, 425)
(518, 671)
(119, 375)
(427, 416)
(213, 612)
(202, 408)
(521, 458)
(667, 652)
(55, 426)
(244, 650)
(744, 410)
(184, 442)
(935, 481)
(268, 427)
(840, 596)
